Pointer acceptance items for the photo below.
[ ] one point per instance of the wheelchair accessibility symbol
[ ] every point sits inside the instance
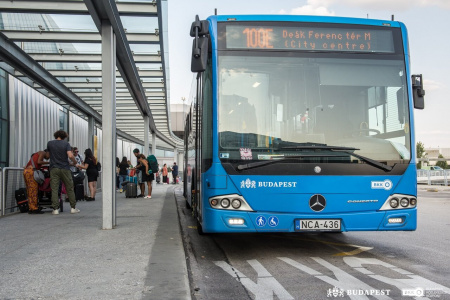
(273, 221)
(261, 221)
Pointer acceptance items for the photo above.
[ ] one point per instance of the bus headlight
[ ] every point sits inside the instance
(404, 202)
(236, 203)
(223, 202)
(398, 201)
(393, 202)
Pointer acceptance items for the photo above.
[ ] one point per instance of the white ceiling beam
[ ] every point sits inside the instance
(74, 37)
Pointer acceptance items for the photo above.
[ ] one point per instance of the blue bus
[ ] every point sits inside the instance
(301, 124)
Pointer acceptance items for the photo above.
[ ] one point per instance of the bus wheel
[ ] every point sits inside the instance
(200, 228)
(188, 206)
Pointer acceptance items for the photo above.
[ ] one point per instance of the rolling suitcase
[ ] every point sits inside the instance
(131, 190)
(22, 199)
(79, 192)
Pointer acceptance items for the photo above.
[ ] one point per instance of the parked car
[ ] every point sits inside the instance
(432, 168)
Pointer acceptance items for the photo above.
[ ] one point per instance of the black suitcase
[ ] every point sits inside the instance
(22, 199)
(79, 192)
(131, 190)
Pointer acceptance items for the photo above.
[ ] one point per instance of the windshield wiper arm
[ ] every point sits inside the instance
(273, 161)
(369, 161)
(320, 147)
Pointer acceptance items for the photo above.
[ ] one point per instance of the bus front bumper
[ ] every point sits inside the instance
(231, 221)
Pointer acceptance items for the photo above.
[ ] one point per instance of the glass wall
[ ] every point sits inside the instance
(4, 118)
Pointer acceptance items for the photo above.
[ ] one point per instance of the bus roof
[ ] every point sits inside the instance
(304, 18)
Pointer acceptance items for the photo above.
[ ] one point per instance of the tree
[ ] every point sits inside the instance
(420, 150)
(442, 164)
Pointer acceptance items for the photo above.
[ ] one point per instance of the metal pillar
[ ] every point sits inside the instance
(175, 156)
(91, 128)
(146, 134)
(108, 125)
(154, 143)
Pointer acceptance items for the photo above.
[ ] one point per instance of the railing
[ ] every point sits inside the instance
(11, 180)
(433, 177)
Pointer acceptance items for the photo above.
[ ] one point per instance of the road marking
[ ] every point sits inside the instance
(343, 281)
(266, 285)
(354, 252)
(413, 282)
(192, 227)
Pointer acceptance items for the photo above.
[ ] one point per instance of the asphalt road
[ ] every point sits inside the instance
(351, 265)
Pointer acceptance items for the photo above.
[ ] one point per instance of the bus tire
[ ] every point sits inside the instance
(200, 228)
(188, 206)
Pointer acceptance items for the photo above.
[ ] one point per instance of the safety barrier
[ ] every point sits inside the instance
(11, 180)
(433, 177)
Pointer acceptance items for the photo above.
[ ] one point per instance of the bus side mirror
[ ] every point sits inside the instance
(199, 54)
(199, 31)
(418, 91)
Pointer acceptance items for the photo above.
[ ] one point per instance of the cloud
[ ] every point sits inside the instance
(431, 85)
(399, 5)
(323, 7)
(313, 7)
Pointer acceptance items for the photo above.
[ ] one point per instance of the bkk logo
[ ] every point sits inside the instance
(252, 184)
(387, 184)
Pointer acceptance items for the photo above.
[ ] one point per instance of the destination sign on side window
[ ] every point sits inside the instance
(308, 38)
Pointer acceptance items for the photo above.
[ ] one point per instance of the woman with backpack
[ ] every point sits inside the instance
(90, 165)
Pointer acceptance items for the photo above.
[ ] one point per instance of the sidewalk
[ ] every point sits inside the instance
(433, 188)
(69, 256)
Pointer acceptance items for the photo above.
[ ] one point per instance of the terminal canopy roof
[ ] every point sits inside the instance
(55, 47)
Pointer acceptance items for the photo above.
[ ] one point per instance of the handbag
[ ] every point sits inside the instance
(38, 175)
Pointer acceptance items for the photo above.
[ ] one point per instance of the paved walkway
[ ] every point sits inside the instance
(69, 256)
(433, 188)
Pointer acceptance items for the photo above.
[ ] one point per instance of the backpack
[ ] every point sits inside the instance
(152, 164)
(99, 166)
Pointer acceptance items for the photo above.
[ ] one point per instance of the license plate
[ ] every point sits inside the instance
(317, 225)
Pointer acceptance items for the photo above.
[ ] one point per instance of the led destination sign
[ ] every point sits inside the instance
(308, 38)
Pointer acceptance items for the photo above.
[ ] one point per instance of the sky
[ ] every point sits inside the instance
(427, 22)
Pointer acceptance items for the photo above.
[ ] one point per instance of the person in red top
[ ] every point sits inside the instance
(32, 185)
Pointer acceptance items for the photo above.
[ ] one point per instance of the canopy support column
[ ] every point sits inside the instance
(108, 125)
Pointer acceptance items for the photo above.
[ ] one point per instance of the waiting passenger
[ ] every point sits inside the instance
(144, 167)
(60, 152)
(123, 172)
(90, 165)
(32, 186)
(165, 172)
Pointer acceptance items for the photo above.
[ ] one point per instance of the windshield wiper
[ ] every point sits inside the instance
(369, 161)
(336, 149)
(320, 147)
(348, 150)
(274, 161)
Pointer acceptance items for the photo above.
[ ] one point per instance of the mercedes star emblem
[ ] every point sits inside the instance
(317, 203)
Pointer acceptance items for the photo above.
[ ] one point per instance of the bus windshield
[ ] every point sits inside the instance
(273, 104)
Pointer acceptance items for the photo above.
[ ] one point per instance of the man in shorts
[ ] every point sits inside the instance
(141, 184)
